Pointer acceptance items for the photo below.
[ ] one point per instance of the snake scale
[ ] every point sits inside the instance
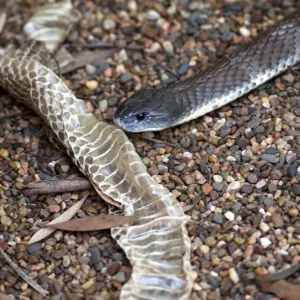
(269, 54)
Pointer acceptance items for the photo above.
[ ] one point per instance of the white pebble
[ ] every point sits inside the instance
(266, 104)
(168, 46)
(265, 242)
(220, 123)
(260, 184)
(282, 252)
(230, 158)
(229, 215)
(187, 154)
(132, 6)
(233, 275)
(123, 55)
(207, 119)
(244, 31)
(154, 47)
(103, 105)
(152, 15)
(264, 227)
(229, 179)
(109, 24)
(204, 249)
(233, 186)
(219, 178)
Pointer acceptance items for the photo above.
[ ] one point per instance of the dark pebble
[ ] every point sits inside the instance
(46, 176)
(296, 189)
(236, 207)
(224, 131)
(218, 186)
(246, 189)
(268, 202)
(232, 247)
(126, 77)
(292, 171)
(243, 143)
(183, 69)
(226, 36)
(255, 122)
(113, 268)
(271, 150)
(99, 266)
(274, 159)
(213, 281)
(102, 67)
(112, 101)
(218, 219)
(95, 255)
(226, 285)
(57, 271)
(195, 19)
(34, 248)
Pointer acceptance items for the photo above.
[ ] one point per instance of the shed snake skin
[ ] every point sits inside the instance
(272, 52)
(157, 244)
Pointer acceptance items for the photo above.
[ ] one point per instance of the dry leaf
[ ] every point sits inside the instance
(105, 197)
(93, 223)
(281, 288)
(67, 215)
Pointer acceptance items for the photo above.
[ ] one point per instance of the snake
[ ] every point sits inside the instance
(272, 52)
(156, 244)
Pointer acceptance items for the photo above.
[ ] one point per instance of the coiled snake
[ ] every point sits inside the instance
(157, 245)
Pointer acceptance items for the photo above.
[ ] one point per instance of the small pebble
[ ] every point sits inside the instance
(109, 24)
(229, 215)
(4, 153)
(152, 15)
(92, 84)
(293, 212)
(233, 186)
(265, 242)
(233, 275)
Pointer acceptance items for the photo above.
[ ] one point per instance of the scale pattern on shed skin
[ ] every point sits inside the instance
(157, 245)
(268, 55)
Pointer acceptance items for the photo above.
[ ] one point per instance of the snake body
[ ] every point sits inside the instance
(271, 53)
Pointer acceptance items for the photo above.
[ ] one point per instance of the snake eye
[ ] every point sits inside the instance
(141, 116)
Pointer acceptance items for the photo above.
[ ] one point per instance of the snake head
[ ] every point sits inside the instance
(146, 110)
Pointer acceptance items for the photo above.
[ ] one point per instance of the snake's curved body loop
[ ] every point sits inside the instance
(268, 55)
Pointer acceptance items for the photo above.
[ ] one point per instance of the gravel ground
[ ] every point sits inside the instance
(237, 165)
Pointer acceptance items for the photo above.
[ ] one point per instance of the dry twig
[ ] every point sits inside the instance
(57, 186)
(37, 287)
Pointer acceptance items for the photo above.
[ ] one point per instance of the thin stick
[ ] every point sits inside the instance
(14, 114)
(37, 287)
(57, 186)
(105, 46)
